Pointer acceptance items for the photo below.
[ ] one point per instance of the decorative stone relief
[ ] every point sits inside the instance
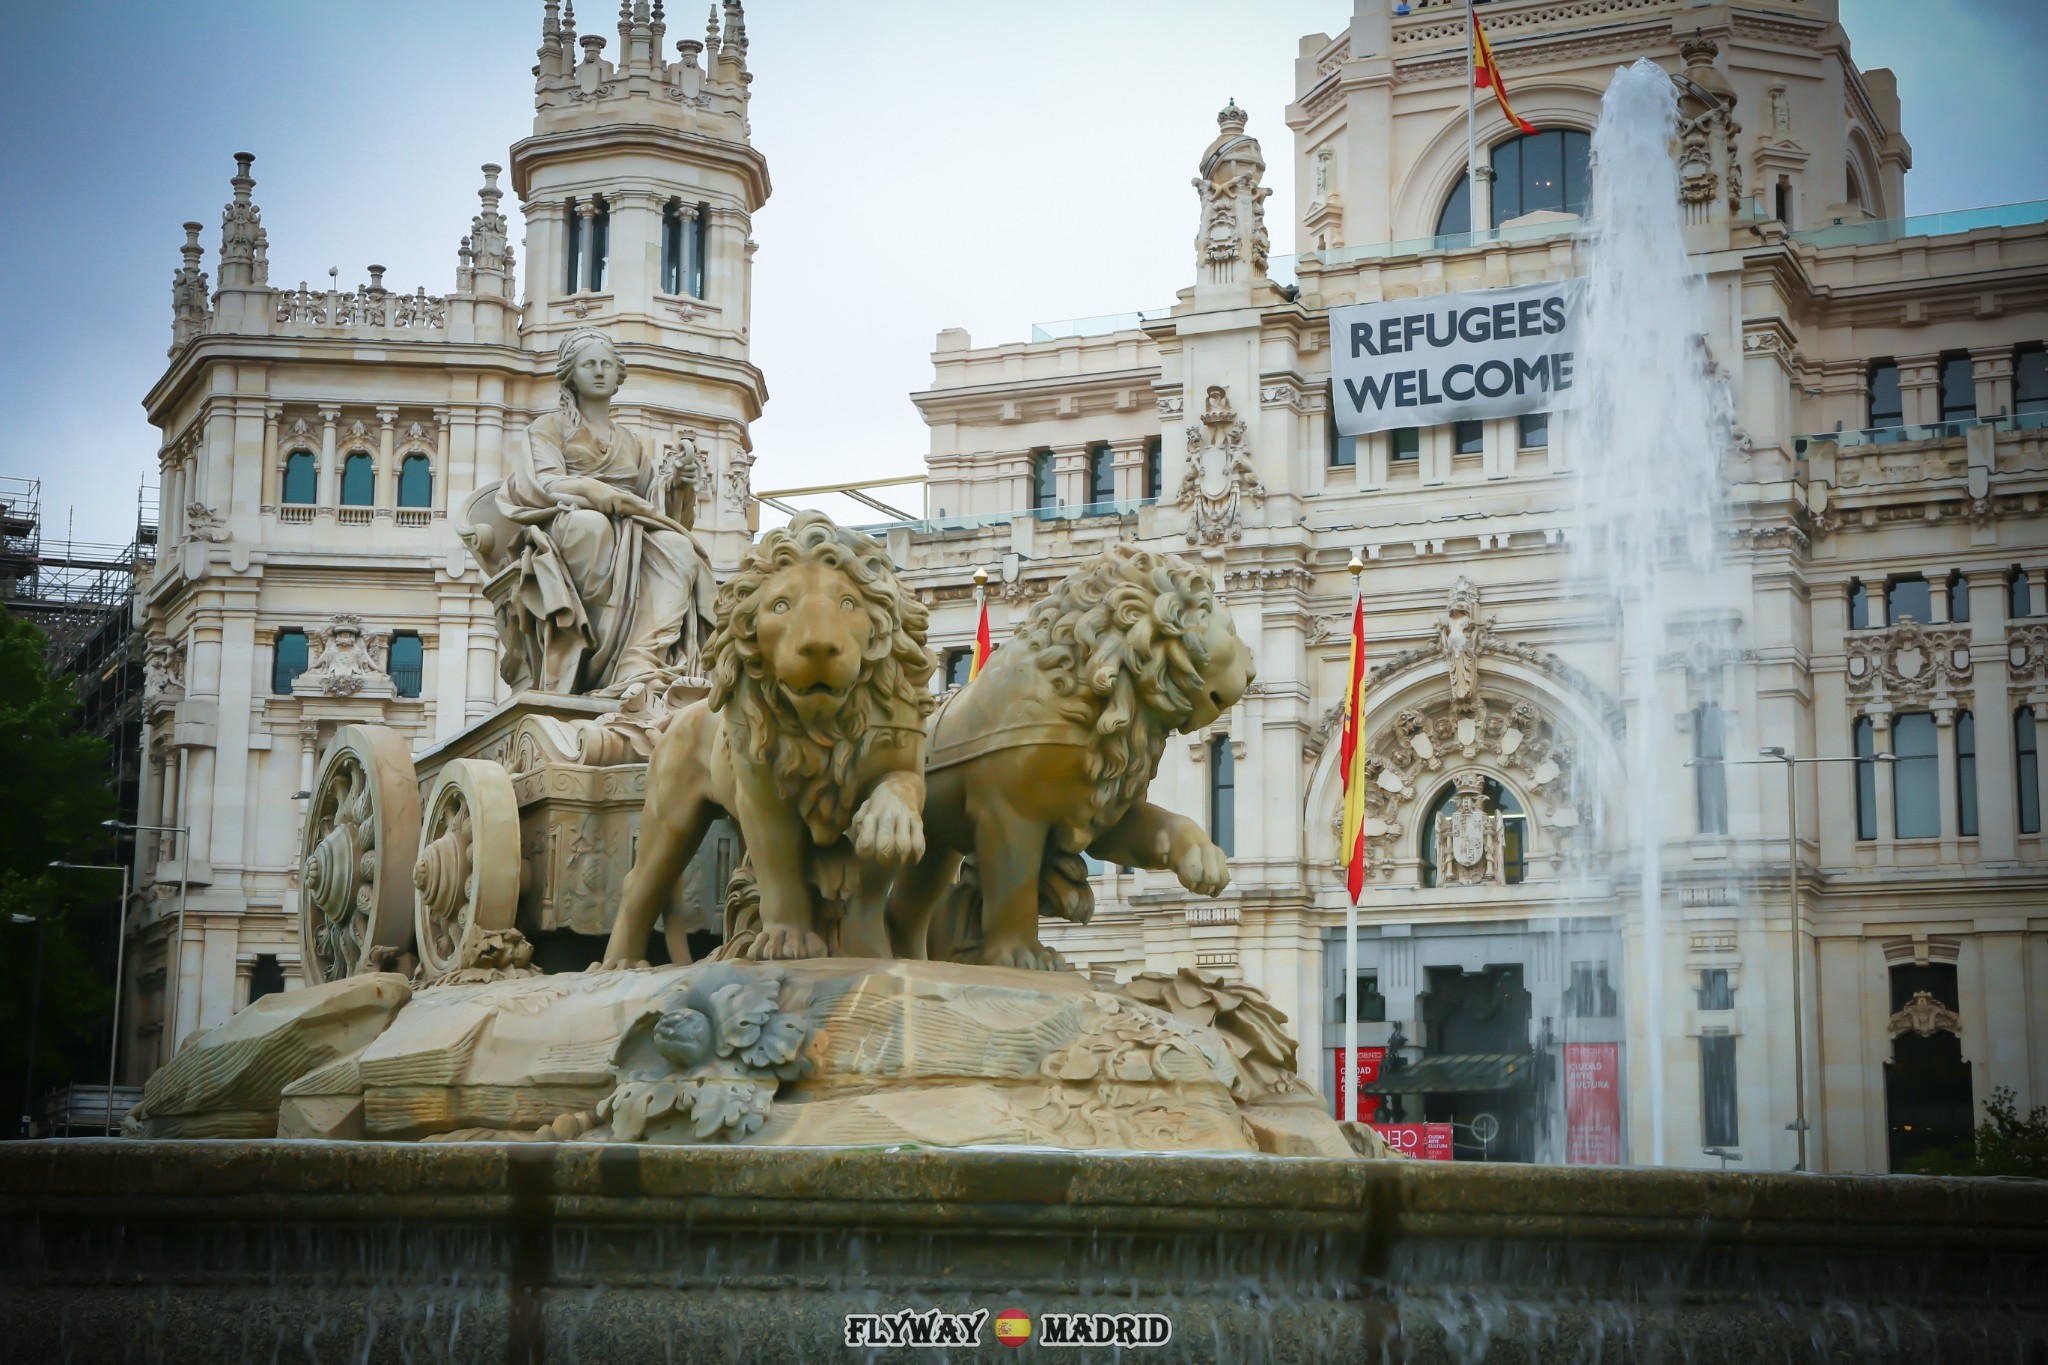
(1233, 216)
(2026, 658)
(205, 524)
(163, 672)
(1910, 662)
(1925, 1016)
(1219, 474)
(738, 472)
(1469, 842)
(342, 658)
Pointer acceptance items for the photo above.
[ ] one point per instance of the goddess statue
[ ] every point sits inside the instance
(613, 586)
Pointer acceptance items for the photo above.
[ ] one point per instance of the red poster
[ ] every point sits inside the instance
(1592, 1104)
(1429, 1141)
(1369, 1059)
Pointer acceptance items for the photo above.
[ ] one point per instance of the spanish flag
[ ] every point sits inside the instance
(982, 648)
(1486, 71)
(1351, 755)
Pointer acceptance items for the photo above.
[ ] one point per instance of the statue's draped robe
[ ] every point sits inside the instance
(602, 601)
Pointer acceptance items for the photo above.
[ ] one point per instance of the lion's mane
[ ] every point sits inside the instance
(1124, 637)
(814, 766)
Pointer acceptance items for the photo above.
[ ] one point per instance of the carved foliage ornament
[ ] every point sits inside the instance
(342, 657)
(1219, 474)
(1925, 1016)
(1910, 661)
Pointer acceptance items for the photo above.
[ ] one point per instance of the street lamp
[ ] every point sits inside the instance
(35, 1011)
(1774, 753)
(120, 957)
(175, 961)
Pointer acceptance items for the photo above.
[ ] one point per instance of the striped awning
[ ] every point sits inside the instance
(1454, 1075)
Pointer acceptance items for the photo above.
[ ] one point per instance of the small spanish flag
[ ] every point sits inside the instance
(1351, 756)
(982, 648)
(1013, 1327)
(1486, 71)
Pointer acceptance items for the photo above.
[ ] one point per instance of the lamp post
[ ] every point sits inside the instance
(120, 958)
(176, 959)
(1776, 754)
(35, 1010)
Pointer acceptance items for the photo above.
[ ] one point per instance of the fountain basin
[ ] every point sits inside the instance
(250, 1250)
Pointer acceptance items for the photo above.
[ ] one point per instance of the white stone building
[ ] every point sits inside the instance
(316, 443)
(1891, 394)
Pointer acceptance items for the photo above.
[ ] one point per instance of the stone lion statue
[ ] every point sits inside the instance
(1049, 752)
(813, 740)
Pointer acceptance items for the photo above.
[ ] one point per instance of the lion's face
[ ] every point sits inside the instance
(813, 630)
(1225, 677)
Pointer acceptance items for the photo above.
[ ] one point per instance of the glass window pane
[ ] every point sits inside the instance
(288, 660)
(301, 478)
(1916, 784)
(1543, 172)
(1457, 214)
(1534, 431)
(1715, 993)
(358, 481)
(1044, 483)
(1866, 779)
(1153, 462)
(2022, 603)
(2030, 381)
(1958, 389)
(408, 658)
(1471, 437)
(1407, 443)
(1578, 168)
(1223, 796)
(2028, 768)
(572, 244)
(1101, 475)
(600, 245)
(416, 482)
(1710, 779)
(1859, 606)
(1966, 773)
(1507, 183)
(1717, 1091)
(1958, 598)
(1908, 597)
(1886, 408)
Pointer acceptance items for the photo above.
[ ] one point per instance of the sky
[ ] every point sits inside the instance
(983, 165)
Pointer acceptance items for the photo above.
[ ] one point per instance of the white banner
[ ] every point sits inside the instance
(1457, 357)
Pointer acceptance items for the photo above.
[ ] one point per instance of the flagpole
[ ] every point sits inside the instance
(1472, 119)
(1357, 567)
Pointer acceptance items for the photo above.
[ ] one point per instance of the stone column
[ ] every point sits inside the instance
(452, 661)
(1920, 388)
(1945, 763)
(273, 476)
(1128, 458)
(586, 237)
(634, 269)
(1991, 367)
(2037, 591)
(2007, 1043)
(330, 476)
(1881, 738)
(440, 498)
(384, 496)
(482, 690)
(1997, 813)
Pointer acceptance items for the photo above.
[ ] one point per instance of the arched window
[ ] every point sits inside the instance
(1546, 170)
(416, 482)
(1101, 475)
(358, 480)
(586, 243)
(287, 660)
(1494, 800)
(301, 478)
(682, 248)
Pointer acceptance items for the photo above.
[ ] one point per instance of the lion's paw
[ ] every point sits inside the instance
(781, 945)
(1027, 956)
(888, 830)
(1202, 868)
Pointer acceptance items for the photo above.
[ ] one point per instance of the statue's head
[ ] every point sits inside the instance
(590, 365)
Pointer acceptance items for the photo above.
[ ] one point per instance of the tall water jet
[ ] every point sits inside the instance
(1655, 424)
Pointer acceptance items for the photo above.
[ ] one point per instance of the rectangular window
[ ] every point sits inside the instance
(1715, 992)
(266, 977)
(1710, 778)
(1859, 605)
(1781, 205)
(671, 249)
(1966, 773)
(1532, 431)
(1866, 778)
(1958, 597)
(1101, 475)
(2027, 766)
(287, 660)
(1958, 389)
(2020, 596)
(1717, 1091)
(1154, 460)
(699, 237)
(1342, 450)
(1044, 480)
(1406, 443)
(600, 245)
(2030, 380)
(1223, 795)
(408, 660)
(1372, 1006)
(1471, 437)
(958, 662)
(572, 248)
(1589, 996)
(1908, 597)
(1886, 407)
(1916, 778)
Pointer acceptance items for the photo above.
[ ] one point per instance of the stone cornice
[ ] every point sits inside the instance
(743, 161)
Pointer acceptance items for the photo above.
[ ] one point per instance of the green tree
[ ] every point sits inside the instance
(53, 795)
(2004, 1144)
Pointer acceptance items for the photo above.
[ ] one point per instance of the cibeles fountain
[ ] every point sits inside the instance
(881, 1092)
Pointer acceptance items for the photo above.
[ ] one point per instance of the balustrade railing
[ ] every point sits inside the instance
(364, 307)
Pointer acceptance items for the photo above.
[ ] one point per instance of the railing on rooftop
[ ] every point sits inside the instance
(1921, 431)
(1082, 511)
(1452, 241)
(1925, 225)
(1279, 269)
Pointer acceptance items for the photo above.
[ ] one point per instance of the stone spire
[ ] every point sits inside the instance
(190, 309)
(1232, 244)
(243, 245)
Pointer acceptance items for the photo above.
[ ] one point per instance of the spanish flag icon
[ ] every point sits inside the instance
(1013, 1327)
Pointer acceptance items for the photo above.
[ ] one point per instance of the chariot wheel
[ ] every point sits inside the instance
(466, 878)
(355, 857)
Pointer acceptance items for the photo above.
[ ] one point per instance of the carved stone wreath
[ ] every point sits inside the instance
(1910, 662)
